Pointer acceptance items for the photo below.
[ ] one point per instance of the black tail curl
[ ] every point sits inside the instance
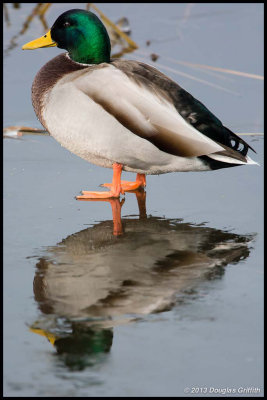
(238, 144)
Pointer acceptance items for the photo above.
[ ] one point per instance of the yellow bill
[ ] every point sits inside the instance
(43, 41)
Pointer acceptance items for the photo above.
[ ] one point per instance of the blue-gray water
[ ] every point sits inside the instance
(177, 301)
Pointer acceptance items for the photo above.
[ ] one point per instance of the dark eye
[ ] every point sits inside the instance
(66, 24)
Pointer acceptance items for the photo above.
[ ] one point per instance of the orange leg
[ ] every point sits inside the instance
(116, 206)
(115, 187)
(116, 214)
(141, 201)
(128, 186)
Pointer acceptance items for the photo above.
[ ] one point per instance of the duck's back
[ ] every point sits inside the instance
(131, 113)
(192, 110)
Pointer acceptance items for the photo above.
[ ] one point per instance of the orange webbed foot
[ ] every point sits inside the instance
(130, 186)
(115, 191)
(99, 195)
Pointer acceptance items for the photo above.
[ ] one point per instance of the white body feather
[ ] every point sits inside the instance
(85, 128)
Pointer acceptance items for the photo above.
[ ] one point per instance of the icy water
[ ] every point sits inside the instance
(174, 305)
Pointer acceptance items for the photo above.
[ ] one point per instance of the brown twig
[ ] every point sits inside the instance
(105, 19)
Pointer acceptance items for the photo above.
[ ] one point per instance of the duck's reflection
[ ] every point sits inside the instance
(95, 279)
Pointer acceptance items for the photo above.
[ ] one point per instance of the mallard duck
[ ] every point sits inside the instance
(122, 114)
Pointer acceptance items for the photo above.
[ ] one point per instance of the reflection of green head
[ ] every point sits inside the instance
(83, 35)
(78, 348)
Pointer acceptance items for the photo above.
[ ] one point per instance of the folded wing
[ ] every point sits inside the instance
(152, 106)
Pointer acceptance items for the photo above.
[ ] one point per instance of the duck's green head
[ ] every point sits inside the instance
(81, 33)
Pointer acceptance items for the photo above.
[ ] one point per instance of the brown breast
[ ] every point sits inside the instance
(47, 77)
